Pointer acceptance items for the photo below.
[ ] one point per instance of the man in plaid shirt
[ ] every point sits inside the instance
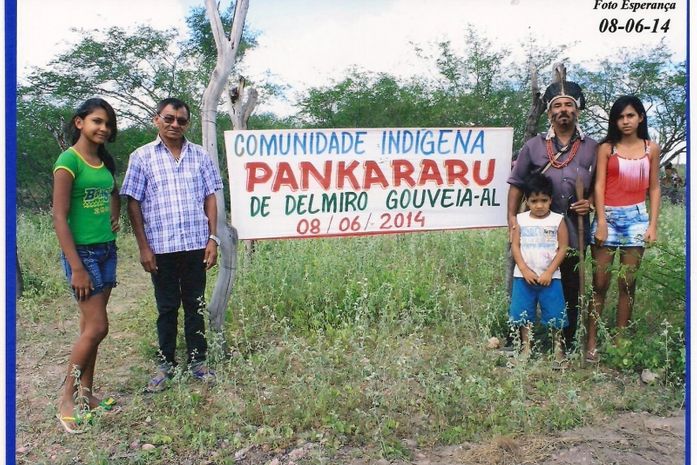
(170, 184)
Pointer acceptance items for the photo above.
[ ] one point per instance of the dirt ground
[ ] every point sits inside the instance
(629, 438)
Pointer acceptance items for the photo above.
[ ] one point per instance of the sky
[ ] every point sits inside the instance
(306, 43)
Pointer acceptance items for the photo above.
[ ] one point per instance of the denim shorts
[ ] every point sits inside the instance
(524, 300)
(100, 262)
(626, 226)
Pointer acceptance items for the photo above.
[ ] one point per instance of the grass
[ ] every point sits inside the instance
(360, 342)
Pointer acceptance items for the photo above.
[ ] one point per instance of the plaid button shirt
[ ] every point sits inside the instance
(171, 194)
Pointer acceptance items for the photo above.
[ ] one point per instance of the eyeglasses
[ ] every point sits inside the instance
(169, 119)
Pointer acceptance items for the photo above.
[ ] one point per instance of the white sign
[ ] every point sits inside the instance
(343, 182)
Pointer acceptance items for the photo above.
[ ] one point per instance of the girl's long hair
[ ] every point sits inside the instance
(613, 132)
(87, 107)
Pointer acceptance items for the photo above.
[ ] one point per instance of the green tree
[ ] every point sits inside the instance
(481, 86)
(485, 86)
(472, 89)
(133, 70)
(651, 75)
(39, 141)
(364, 99)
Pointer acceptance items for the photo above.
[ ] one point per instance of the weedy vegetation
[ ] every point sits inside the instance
(340, 342)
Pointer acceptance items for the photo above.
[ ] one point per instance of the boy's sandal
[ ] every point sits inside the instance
(562, 364)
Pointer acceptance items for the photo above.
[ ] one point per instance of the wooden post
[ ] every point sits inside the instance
(19, 279)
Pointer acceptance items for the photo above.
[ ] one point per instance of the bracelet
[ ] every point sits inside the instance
(215, 239)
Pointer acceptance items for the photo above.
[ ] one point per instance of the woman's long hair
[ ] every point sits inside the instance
(613, 132)
(87, 107)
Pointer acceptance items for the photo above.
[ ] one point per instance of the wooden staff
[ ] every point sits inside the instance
(581, 274)
(581, 267)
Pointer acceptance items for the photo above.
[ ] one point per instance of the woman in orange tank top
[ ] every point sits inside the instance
(627, 169)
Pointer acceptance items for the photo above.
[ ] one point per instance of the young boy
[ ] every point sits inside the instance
(538, 246)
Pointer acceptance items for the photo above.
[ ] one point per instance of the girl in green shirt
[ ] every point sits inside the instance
(86, 218)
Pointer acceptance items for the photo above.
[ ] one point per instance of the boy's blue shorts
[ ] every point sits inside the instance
(524, 299)
(100, 262)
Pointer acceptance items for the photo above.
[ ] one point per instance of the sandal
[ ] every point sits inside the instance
(561, 364)
(107, 406)
(203, 373)
(159, 382)
(78, 420)
(592, 356)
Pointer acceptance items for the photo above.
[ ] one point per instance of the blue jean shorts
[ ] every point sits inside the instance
(626, 226)
(100, 262)
(524, 300)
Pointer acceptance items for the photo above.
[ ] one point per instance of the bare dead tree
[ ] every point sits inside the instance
(536, 108)
(241, 102)
(58, 132)
(226, 48)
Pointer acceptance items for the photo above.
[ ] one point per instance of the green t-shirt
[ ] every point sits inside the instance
(89, 215)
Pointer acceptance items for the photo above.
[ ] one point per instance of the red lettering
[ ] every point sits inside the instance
(344, 172)
(284, 177)
(373, 175)
(430, 172)
(455, 171)
(402, 170)
(253, 178)
(489, 175)
(307, 169)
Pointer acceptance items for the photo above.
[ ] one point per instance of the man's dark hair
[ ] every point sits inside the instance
(538, 183)
(176, 104)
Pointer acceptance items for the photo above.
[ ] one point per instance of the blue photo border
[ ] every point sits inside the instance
(688, 233)
(10, 221)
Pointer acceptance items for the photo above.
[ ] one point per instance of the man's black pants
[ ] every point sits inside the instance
(181, 279)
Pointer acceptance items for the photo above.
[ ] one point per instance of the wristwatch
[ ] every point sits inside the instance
(215, 239)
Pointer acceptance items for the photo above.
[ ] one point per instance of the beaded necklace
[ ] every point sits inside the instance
(553, 160)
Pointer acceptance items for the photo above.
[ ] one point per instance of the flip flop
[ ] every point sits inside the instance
(592, 356)
(77, 421)
(107, 406)
(558, 365)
